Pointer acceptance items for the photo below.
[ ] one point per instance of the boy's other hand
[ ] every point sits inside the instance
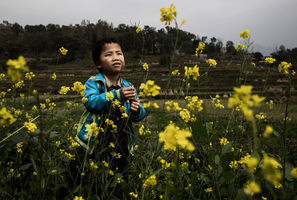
(129, 93)
(135, 105)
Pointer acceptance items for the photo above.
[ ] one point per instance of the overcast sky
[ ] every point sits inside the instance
(271, 22)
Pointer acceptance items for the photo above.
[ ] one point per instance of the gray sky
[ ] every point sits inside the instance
(271, 22)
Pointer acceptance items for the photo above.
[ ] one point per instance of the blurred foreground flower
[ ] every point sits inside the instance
(251, 188)
(168, 14)
(245, 34)
(6, 118)
(138, 30)
(268, 131)
(270, 170)
(245, 100)
(240, 47)
(16, 68)
(173, 137)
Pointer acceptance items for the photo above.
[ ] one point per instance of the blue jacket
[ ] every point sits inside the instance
(97, 104)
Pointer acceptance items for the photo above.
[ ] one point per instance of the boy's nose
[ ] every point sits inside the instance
(115, 57)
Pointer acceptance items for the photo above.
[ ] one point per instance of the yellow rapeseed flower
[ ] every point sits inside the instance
(294, 172)
(174, 137)
(172, 106)
(138, 30)
(151, 181)
(240, 47)
(194, 72)
(245, 34)
(175, 73)
(268, 131)
(92, 129)
(269, 60)
(224, 141)
(151, 105)
(200, 48)
(16, 68)
(211, 62)
(270, 170)
(2, 76)
(42, 106)
(19, 147)
(93, 165)
(63, 51)
(245, 100)
(143, 131)
(84, 99)
(168, 14)
(250, 163)
(64, 90)
(150, 88)
(54, 76)
(194, 104)
(208, 190)
(78, 87)
(145, 66)
(251, 188)
(109, 96)
(284, 66)
(30, 126)
(132, 194)
(30, 75)
(6, 118)
(78, 198)
(234, 164)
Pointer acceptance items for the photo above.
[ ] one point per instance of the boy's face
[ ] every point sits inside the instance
(111, 59)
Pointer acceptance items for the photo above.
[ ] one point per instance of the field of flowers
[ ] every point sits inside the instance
(241, 146)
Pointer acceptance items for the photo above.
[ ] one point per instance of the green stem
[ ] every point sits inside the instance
(12, 134)
(255, 147)
(288, 95)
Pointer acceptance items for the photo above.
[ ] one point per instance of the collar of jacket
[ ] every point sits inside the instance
(100, 77)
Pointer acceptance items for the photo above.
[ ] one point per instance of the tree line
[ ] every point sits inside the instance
(44, 41)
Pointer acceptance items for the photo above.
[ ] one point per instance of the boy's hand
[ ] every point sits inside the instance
(135, 105)
(129, 93)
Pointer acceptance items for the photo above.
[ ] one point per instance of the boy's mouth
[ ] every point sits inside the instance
(116, 64)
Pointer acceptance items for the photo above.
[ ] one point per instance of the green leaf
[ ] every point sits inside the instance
(289, 167)
(53, 134)
(227, 148)
(217, 160)
(25, 166)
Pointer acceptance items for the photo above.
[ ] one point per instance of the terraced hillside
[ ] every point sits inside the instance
(219, 80)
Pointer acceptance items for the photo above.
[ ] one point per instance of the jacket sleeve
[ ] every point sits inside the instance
(97, 102)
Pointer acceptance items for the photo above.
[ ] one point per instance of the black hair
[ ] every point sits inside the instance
(98, 47)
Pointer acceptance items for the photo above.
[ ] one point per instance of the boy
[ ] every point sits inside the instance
(113, 105)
